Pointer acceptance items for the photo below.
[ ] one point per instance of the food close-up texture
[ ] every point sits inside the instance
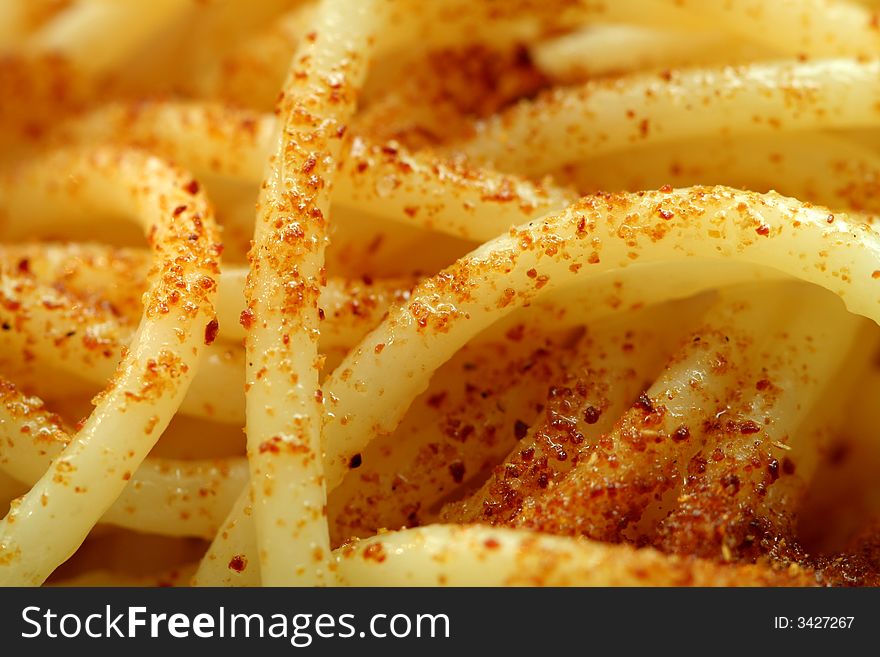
(447, 292)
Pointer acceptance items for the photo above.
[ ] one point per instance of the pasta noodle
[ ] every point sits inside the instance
(501, 293)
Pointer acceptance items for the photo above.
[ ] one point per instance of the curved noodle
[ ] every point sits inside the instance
(520, 292)
(605, 232)
(152, 378)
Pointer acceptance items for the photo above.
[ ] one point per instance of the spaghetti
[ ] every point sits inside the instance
(502, 293)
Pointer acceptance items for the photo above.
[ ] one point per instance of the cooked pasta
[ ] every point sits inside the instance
(483, 293)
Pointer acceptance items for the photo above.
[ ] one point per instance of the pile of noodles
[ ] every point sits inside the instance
(461, 292)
